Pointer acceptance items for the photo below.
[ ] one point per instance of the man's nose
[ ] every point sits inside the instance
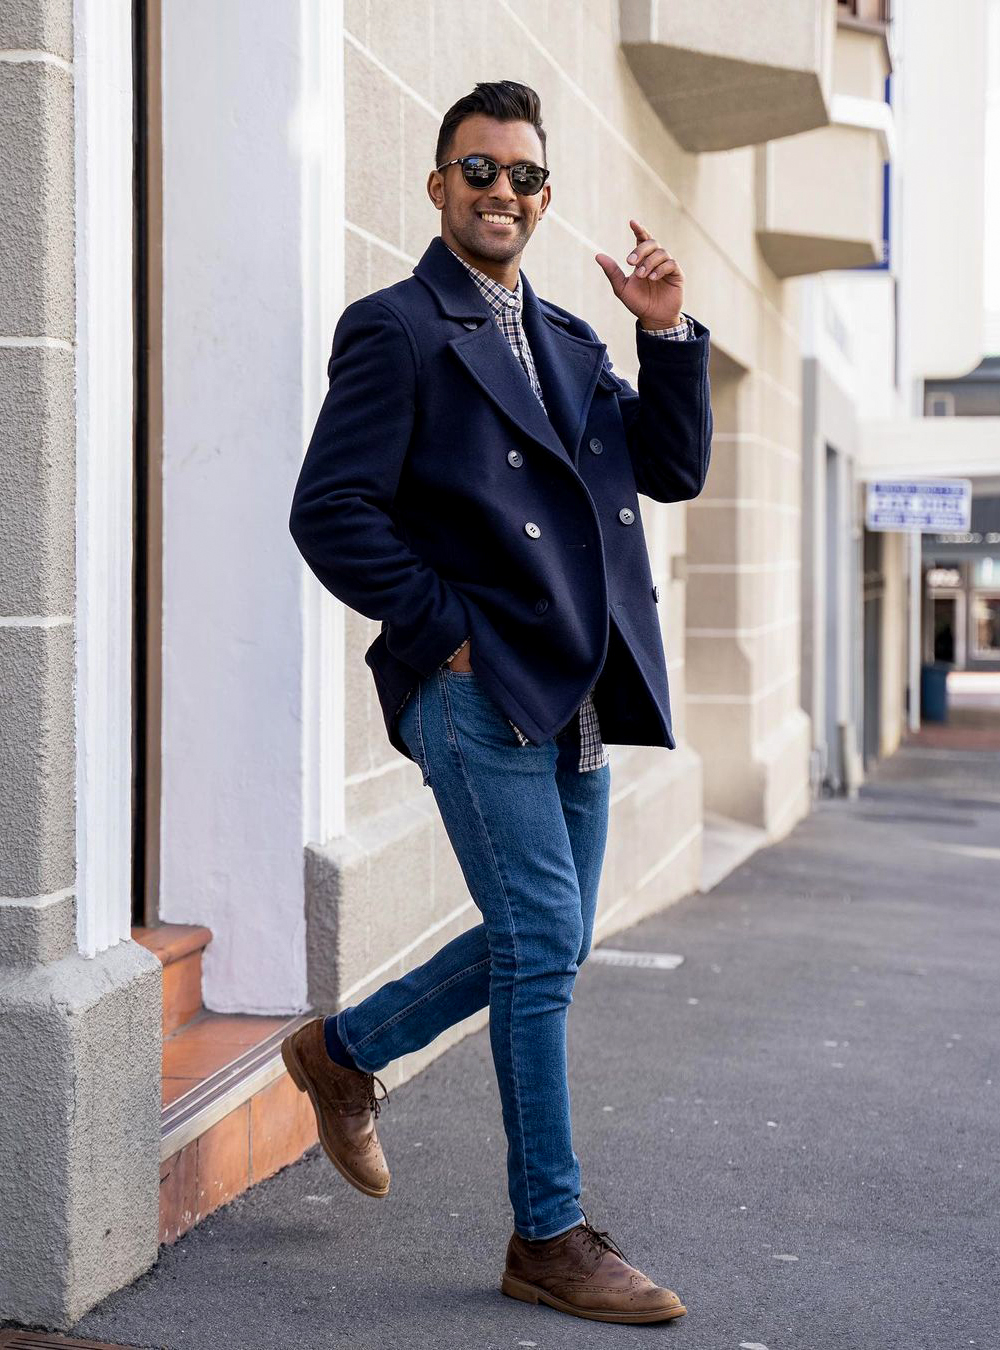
(502, 187)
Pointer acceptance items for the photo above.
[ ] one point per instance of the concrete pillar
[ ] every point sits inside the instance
(79, 1038)
(743, 607)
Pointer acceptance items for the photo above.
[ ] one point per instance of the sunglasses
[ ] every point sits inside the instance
(479, 171)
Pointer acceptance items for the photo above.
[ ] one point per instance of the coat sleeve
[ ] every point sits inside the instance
(342, 507)
(668, 421)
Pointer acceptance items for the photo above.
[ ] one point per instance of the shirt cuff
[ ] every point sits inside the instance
(681, 332)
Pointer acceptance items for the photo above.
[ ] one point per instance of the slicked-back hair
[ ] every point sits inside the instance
(505, 100)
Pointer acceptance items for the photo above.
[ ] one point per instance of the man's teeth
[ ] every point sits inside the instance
(497, 220)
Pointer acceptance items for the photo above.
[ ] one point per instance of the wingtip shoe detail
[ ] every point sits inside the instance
(345, 1105)
(584, 1273)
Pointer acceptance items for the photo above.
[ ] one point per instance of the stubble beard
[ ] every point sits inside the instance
(474, 238)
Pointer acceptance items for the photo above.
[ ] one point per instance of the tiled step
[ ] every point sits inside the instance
(179, 947)
(231, 1114)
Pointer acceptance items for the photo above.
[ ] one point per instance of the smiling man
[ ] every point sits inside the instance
(472, 482)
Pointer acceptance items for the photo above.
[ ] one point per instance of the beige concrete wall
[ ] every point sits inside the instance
(611, 158)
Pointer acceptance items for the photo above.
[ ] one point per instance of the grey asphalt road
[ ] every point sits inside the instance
(796, 1128)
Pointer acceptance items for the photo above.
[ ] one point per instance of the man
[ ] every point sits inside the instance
(472, 482)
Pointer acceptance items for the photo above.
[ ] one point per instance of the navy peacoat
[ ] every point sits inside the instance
(437, 496)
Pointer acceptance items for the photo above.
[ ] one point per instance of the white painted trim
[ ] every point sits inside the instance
(323, 262)
(104, 355)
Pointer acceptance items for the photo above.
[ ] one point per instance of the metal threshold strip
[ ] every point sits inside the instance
(223, 1091)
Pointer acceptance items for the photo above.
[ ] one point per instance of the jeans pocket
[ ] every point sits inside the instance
(473, 707)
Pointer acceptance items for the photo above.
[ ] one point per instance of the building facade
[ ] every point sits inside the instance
(203, 829)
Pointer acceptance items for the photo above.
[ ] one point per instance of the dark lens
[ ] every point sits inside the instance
(527, 179)
(479, 171)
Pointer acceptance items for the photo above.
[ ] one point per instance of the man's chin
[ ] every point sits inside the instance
(495, 248)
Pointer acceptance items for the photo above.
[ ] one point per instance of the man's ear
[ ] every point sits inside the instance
(546, 198)
(435, 189)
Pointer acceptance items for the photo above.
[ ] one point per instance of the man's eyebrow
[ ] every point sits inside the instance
(485, 154)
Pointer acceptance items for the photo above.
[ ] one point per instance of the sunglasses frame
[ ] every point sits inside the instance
(527, 163)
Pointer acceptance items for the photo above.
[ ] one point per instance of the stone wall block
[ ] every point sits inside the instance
(37, 481)
(37, 761)
(37, 287)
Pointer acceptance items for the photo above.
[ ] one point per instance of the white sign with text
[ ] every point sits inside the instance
(928, 506)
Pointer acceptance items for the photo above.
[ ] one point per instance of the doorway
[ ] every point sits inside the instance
(945, 620)
(147, 588)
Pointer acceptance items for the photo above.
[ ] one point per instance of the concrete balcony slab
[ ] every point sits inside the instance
(721, 75)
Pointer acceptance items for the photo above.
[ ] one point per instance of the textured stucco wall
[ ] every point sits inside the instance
(79, 1039)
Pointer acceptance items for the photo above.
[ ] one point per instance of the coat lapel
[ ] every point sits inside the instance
(568, 367)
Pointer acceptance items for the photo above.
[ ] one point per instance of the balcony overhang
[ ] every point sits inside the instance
(820, 195)
(923, 447)
(721, 75)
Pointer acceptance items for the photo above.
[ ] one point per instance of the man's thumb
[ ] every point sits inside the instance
(612, 271)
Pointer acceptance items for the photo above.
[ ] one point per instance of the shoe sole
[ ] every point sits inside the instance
(304, 1083)
(530, 1293)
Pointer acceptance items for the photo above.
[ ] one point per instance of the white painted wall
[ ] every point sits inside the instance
(865, 302)
(941, 87)
(244, 301)
(992, 264)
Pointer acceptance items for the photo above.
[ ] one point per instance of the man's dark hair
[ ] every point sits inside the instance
(506, 100)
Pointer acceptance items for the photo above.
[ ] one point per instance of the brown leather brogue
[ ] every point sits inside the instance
(585, 1273)
(346, 1108)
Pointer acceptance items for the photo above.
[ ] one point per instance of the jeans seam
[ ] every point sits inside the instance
(410, 1007)
(424, 771)
(513, 937)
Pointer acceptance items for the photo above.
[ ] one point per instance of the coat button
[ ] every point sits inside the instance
(470, 323)
(515, 459)
(596, 445)
(626, 515)
(532, 530)
(541, 606)
(656, 594)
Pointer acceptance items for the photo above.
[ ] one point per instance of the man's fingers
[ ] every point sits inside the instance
(642, 251)
(656, 257)
(613, 272)
(639, 231)
(664, 269)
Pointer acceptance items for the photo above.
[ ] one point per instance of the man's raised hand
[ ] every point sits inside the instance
(654, 291)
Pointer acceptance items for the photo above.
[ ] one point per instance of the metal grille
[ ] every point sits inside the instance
(40, 1340)
(611, 956)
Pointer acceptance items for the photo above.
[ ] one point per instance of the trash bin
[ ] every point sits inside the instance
(934, 692)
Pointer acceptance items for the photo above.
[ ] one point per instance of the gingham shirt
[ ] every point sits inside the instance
(506, 306)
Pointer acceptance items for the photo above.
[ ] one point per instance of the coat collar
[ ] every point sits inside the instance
(568, 366)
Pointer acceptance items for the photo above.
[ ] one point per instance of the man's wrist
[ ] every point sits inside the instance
(660, 325)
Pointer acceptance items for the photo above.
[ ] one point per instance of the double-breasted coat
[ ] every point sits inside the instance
(437, 496)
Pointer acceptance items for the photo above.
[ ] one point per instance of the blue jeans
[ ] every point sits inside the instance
(529, 832)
